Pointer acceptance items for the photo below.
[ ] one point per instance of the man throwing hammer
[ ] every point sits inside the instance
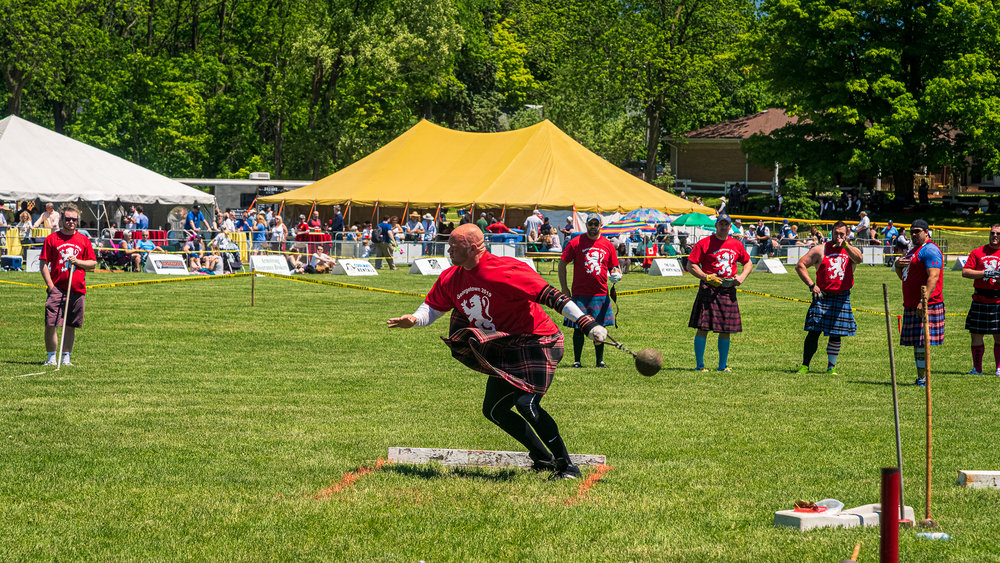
(983, 267)
(714, 261)
(830, 311)
(594, 263)
(921, 267)
(498, 328)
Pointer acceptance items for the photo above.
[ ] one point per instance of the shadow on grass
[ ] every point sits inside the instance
(883, 383)
(436, 471)
(23, 362)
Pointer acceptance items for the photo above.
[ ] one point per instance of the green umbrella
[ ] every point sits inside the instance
(694, 220)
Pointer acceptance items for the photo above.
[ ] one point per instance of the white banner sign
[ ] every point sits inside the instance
(665, 267)
(771, 266)
(273, 264)
(34, 260)
(430, 266)
(166, 264)
(352, 267)
(959, 263)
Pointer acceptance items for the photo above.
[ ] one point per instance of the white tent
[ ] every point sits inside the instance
(37, 163)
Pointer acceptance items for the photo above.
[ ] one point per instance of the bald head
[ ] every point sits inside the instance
(466, 245)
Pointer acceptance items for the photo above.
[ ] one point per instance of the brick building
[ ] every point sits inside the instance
(712, 156)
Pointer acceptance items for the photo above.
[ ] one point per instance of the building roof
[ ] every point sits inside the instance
(742, 128)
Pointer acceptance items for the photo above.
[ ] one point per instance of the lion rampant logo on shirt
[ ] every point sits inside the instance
(991, 263)
(594, 257)
(836, 266)
(724, 262)
(476, 307)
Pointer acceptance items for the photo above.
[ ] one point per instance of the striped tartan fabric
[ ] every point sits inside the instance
(716, 310)
(913, 328)
(832, 315)
(526, 361)
(983, 318)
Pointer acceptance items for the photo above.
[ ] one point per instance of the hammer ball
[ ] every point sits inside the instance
(648, 361)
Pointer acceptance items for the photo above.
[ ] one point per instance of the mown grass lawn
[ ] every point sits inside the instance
(196, 427)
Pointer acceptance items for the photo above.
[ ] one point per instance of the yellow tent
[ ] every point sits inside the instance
(538, 166)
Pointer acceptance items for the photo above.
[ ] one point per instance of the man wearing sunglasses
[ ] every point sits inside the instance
(61, 250)
(983, 266)
(921, 267)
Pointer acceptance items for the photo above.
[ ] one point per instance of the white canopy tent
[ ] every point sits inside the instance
(39, 164)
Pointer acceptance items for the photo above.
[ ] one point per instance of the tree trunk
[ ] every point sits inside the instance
(59, 117)
(15, 87)
(652, 137)
(195, 23)
(279, 141)
(902, 184)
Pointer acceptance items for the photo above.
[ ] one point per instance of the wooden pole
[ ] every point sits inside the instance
(927, 392)
(253, 277)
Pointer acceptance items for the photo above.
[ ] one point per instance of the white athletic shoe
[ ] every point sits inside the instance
(66, 362)
(997, 373)
(50, 362)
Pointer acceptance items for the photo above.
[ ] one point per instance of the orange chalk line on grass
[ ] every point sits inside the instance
(592, 478)
(349, 479)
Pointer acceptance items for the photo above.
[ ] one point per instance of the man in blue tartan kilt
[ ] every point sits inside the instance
(983, 267)
(830, 312)
(498, 328)
(921, 267)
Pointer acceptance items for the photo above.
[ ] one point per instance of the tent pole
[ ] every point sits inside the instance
(311, 209)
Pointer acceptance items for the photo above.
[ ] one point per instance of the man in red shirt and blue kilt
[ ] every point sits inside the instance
(714, 261)
(830, 311)
(595, 262)
(983, 267)
(498, 328)
(921, 267)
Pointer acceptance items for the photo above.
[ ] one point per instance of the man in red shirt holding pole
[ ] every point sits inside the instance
(498, 328)
(983, 266)
(63, 251)
(830, 311)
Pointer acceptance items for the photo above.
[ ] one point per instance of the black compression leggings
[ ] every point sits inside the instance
(532, 427)
(812, 344)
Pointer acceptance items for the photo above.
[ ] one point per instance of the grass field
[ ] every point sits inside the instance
(196, 427)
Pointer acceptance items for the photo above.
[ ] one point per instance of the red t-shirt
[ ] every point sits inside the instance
(55, 250)
(497, 295)
(498, 228)
(836, 272)
(719, 257)
(983, 258)
(592, 260)
(923, 258)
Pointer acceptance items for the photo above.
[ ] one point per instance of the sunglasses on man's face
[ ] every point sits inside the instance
(71, 219)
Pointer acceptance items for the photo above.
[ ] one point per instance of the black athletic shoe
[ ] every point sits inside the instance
(565, 470)
(542, 465)
(602, 365)
(577, 365)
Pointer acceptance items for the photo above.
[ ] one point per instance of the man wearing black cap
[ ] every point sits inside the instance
(714, 260)
(921, 267)
(983, 266)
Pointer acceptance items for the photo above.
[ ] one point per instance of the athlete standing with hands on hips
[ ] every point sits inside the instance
(983, 267)
(498, 328)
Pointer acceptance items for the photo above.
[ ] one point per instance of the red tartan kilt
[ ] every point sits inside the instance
(716, 310)
(526, 361)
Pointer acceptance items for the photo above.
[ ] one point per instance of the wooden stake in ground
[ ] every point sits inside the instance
(252, 285)
(927, 522)
(895, 402)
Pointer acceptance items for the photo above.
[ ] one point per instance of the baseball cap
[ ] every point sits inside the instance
(723, 217)
(920, 224)
(784, 221)
(594, 217)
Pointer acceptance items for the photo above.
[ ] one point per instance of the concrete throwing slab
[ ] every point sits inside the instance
(979, 479)
(864, 515)
(478, 458)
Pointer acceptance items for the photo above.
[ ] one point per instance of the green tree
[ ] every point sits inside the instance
(881, 87)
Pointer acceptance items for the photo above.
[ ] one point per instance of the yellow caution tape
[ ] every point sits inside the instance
(339, 284)
(24, 284)
(170, 280)
(656, 290)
